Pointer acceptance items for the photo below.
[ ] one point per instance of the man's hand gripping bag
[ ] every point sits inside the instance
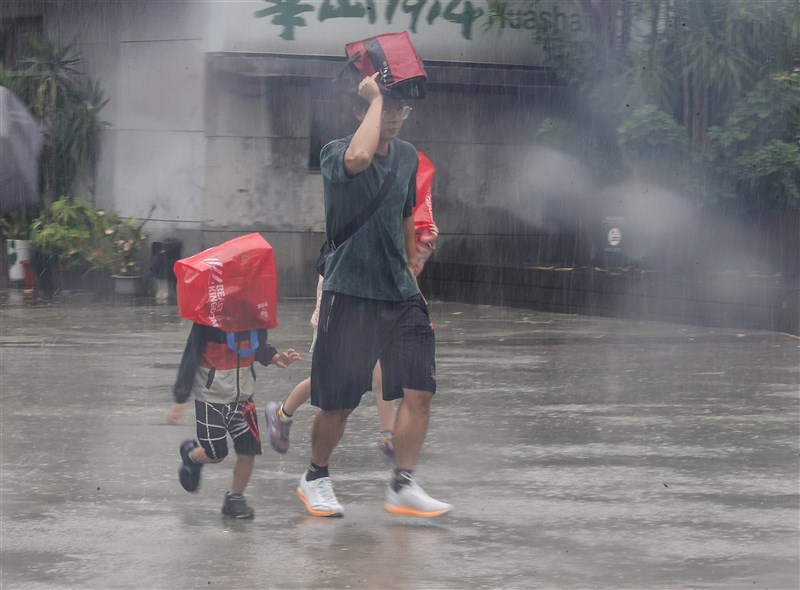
(395, 59)
(233, 286)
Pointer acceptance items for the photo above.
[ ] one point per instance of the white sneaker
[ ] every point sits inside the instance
(411, 500)
(318, 497)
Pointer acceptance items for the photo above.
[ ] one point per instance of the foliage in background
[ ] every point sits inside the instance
(699, 55)
(757, 150)
(650, 132)
(656, 146)
(63, 233)
(727, 73)
(712, 85)
(67, 103)
(116, 244)
(74, 234)
(17, 225)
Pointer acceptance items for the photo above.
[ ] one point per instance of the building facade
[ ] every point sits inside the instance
(218, 109)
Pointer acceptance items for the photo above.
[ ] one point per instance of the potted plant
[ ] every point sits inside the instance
(116, 246)
(127, 239)
(75, 239)
(15, 228)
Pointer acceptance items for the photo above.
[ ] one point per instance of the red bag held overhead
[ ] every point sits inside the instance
(394, 57)
(233, 286)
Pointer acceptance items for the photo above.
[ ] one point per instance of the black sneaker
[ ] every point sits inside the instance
(236, 507)
(189, 472)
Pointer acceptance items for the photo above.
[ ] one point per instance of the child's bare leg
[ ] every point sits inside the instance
(199, 455)
(242, 470)
(193, 457)
(235, 504)
(385, 408)
(385, 415)
(298, 397)
(279, 416)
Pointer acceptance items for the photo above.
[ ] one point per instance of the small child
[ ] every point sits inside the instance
(223, 384)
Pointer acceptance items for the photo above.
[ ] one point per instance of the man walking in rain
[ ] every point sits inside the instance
(371, 305)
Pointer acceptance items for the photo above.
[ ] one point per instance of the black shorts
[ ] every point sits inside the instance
(353, 333)
(216, 421)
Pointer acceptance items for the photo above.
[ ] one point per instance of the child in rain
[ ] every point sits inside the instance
(223, 384)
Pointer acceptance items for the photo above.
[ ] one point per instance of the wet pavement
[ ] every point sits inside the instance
(579, 453)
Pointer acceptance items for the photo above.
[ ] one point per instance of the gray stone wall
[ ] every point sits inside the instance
(149, 59)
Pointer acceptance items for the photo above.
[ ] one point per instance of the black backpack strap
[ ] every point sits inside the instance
(367, 212)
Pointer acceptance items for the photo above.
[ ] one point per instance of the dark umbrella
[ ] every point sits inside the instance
(20, 144)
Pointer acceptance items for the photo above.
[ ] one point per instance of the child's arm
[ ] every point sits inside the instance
(267, 354)
(265, 351)
(285, 359)
(315, 315)
(426, 244)
(190, 360)
(175, 412)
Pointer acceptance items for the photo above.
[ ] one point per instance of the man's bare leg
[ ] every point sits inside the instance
(404, 497)
(316, 488)
(410, 427)
(326, 432)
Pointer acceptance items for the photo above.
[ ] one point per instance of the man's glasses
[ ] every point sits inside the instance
(393, 114)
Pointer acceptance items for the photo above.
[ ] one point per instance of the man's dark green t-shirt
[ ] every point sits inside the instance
(372, 262)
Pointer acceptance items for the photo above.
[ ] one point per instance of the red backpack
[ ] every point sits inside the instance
(423, 211)
(394, 57)
(233, 286)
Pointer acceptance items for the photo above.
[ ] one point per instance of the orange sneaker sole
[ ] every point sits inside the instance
(406, 511)
(314, 511)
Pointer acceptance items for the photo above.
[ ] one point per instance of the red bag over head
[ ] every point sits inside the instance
(233, 286)
(423, 211)
(394, 56)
